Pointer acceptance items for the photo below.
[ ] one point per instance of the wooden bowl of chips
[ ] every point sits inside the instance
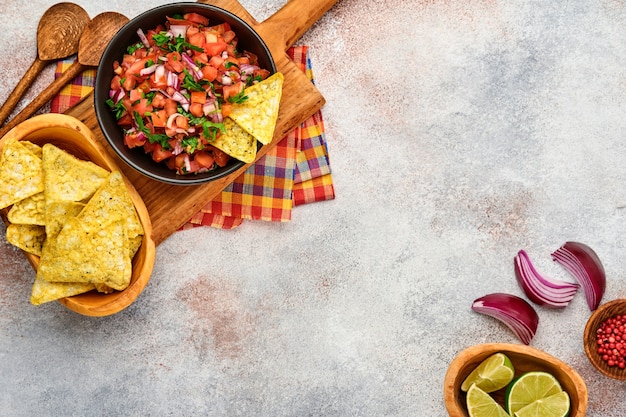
(242, 147)
(71, 137)
(524, 359)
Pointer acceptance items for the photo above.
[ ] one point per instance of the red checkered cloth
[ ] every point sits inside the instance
(296, 171)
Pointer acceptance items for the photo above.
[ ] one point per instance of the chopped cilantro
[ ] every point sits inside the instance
(118, 108)
(191, 84)
(132, 48)
(239, 98)
(161, 139)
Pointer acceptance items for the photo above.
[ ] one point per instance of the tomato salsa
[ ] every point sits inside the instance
(174, 87)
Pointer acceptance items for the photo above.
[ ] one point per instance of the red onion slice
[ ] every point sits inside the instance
(585, 266)
(539, 289)
(513, 311)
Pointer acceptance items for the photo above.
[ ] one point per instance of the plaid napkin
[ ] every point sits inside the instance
(295, 172)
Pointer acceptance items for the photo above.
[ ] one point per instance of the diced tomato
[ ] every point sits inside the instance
(198, 97)
(196, 18)
(159, 154)
(209, 73)
(196, 39)
(158, 101)
(216, 61)
(200, 57)
(128, 60)
(227, 108)
(221, 28)
(128, 82)
(116, 83)
(221, 157)
(132, 140)
(125, 120)
(262, 73)
(142, 107)
(229, 35)
(170, 107)
(149, 147)
(229, 91)
(159, 83)
(136, 67)
(203, 158)
(196, 110)
(159, 118)
(135, 95)
(179, 22)
(182, 123)
(215, 48)
(174, 62)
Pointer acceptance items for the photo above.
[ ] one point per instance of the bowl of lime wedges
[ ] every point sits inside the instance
(500, 379)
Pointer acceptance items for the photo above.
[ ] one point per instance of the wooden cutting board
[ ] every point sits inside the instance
(171, 206)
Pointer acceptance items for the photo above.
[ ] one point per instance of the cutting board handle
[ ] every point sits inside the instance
(294, 19)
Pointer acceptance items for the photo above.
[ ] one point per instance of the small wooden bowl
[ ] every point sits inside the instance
(605, 311)
(71, 135)
(524, 359)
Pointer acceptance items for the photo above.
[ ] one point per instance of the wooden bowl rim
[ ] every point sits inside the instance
(90, 304)
(604, 311)
(457, 364)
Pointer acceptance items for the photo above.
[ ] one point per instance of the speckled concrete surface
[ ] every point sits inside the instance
(459, 133)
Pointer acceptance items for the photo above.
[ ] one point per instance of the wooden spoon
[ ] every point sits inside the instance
(58, 34)
(93, 41)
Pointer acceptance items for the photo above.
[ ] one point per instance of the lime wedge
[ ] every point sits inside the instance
(481, 404)
(528, 388)
(490, 375)
(556, 405)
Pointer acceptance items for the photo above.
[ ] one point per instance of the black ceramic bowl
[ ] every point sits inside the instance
(248, 40)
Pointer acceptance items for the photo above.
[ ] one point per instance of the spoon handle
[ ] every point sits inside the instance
(22, 86)
(44, 97)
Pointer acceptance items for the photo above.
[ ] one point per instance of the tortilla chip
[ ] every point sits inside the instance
(28, 237)
(111, 203)
(57, 213)
(258, 114)
(43, 291)
(95, 246)
(68, 178)
(21, 173)
(34, 148)
(30, 210)
(85, 253)
(236, 142)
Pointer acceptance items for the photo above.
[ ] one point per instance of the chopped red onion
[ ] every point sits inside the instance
(178, 30)
(143, 38)
(148, 70)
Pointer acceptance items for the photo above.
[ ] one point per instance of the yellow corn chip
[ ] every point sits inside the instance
(68, 178)
(21, 173)
(43, 291)
(111, 203)
(28, 237)
(236, 142)
(34, 148)
(57, 213)
(258, 114)
(29, 210)
(89, 254)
